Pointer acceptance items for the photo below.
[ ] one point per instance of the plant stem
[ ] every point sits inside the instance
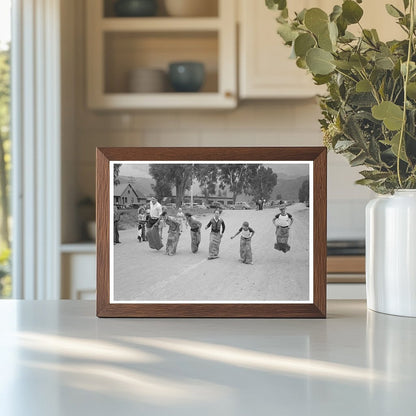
(346, 75)
(405, 81)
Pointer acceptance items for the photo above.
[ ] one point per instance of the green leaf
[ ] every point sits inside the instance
(412, 67)
(374, 150)
(365, 182)
(319, 61)
(281, 19)
(342, 25)
(411, 90)
(343, 145)
(303, 43)
(381, 89)
(336, 12)
(301, 15)
(316, 20)
(391, 114)
(287, 33)
(384, 62)
(368, 36)
(321, 79)
(358, 61)
(393, 11)
(375, 35)
(406, 4)
(358, 160)
(276, 4)
(347, 38)
(351, 11)
(301, 63)
(374, 174)
(363, 86)
(354, 132)
(394, 145)
(333, 32)
(345, 65)
(325, 42)
(362, 99)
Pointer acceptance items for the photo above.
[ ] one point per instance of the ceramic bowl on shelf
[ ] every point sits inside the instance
(191, 8)
(135, 8)
(147, 81)
(186, 76)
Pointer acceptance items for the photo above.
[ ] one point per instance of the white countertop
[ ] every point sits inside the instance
(57, 358)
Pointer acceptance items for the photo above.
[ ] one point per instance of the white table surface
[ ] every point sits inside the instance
(57, 358)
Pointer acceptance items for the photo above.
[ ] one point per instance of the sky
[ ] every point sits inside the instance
(292, 170)
(5, 20)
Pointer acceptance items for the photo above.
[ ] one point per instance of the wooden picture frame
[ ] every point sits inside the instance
(313, 305)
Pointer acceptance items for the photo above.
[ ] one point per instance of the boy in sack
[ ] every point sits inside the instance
(245, 243)
(282, 221)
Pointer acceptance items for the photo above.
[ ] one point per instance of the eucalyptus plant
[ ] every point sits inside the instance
(369, 111)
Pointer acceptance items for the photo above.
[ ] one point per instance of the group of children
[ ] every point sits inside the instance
(176, 225)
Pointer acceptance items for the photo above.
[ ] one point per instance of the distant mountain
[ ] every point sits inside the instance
(288, 188)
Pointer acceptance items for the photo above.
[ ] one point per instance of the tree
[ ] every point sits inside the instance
(4, 142)
(304, 191)
(116, 173)
(237, 177)
(263, 183)
(162, 190)
(176, 175)
(206, 175)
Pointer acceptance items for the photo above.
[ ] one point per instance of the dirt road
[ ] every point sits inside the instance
(145, 274)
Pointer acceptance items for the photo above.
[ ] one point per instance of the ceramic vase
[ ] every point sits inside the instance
(391, 253)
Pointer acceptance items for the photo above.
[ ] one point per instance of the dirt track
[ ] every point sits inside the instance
(145, 274)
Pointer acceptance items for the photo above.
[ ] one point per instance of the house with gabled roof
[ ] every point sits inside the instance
(126, 195)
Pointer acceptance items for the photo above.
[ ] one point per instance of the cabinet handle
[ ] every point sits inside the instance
(229, 94)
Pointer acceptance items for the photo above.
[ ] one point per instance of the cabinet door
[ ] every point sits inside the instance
(265, 68)
(78, 276)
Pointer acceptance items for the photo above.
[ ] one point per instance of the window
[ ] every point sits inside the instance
(5, 145)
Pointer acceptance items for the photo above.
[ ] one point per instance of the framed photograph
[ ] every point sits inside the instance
(211, 232)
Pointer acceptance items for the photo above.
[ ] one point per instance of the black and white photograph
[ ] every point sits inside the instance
(211, 232)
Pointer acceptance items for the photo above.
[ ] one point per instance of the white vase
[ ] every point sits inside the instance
(391, 253)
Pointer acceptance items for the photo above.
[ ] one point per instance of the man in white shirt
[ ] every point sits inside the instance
(155, 211)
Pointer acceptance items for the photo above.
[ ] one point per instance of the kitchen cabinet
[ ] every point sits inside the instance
(118, 45)
(265, 70)
(78, 262)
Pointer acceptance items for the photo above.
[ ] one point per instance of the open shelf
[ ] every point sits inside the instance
(127, 51)
(160, 24)
(116, 46)
(168, 100)
(209, 9)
